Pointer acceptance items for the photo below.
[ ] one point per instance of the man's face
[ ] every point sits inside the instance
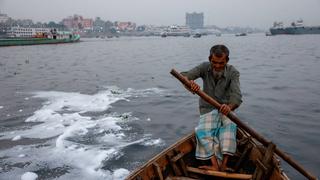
(218, 63)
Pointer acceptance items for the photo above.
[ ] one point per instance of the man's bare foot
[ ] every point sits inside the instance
(212, 168)
(226, 169)
(223, 168)
(229, 170)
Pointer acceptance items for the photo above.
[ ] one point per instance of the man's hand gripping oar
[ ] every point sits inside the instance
(194, 88)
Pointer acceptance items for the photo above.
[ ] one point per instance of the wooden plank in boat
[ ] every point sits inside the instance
(219, 174)
(179, 178)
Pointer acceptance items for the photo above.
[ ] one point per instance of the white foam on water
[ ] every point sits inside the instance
(16, 138)
(80, 102)
(1, 107)
(154, 142)
(22, 155)
(75, 139)
(145, 92)
(120, 174)
(29, 176)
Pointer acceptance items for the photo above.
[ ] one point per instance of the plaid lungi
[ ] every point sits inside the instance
(216, 135)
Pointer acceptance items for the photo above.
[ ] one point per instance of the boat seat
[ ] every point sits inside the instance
(179, 178)
(219, 173)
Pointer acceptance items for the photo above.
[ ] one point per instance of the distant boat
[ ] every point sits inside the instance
(17, 37)
(241, 34)
(295, 28)
(176, 31)
(197, 35)
(163, 34)
(268, 34)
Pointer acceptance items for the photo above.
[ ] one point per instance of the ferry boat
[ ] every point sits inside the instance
(295, 28)
(32, 36)
(176, 31)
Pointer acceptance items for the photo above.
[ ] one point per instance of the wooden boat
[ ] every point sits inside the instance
(255, 158)
(251, 161)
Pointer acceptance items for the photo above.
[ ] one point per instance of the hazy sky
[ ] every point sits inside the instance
(253, 13)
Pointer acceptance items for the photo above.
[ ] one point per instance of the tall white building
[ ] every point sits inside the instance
(3, 18)
(194, 20)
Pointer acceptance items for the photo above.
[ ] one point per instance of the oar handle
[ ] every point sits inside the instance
(236, 120)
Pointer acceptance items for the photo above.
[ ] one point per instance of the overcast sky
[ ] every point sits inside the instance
(223, 13)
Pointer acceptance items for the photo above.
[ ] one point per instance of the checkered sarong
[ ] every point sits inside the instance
(216, 135)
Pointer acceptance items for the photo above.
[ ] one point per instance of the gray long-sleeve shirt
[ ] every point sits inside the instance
(226, 90)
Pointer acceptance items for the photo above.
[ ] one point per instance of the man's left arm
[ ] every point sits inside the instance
(235, 92)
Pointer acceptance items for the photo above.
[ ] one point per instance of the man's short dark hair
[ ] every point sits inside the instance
(219, 50)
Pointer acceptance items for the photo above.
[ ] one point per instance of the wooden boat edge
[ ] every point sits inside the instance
(186, 144)
(161, 154)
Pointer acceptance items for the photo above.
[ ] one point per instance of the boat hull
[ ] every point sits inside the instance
(178, 162)
(296, 30)
(36, 41)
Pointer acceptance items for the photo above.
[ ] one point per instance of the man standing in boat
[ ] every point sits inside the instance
(216, 133)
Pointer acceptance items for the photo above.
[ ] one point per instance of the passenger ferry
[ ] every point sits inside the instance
(33, 36)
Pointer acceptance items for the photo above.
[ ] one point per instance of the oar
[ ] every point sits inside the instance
(236, 120)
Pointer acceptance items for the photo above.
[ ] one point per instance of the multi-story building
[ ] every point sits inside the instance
(87, 24)
(126, 26)
(3, 18)
(67, 22)
(24, 22)
(77, 22)
(194, 20)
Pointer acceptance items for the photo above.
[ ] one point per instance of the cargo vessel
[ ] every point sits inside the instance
(295, 28)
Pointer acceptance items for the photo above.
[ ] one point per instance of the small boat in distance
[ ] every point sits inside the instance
(268, 34)
(163, 34)
(241, 34)
(178, 162)
(197, 35)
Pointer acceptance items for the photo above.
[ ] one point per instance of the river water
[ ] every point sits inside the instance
(99, 108)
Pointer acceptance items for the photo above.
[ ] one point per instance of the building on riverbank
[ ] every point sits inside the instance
(195, 20)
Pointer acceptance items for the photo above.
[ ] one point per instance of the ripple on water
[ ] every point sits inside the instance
(280, 88)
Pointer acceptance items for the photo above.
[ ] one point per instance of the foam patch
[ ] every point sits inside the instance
(75, 143)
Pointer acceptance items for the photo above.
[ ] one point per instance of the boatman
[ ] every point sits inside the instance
(216, 133)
